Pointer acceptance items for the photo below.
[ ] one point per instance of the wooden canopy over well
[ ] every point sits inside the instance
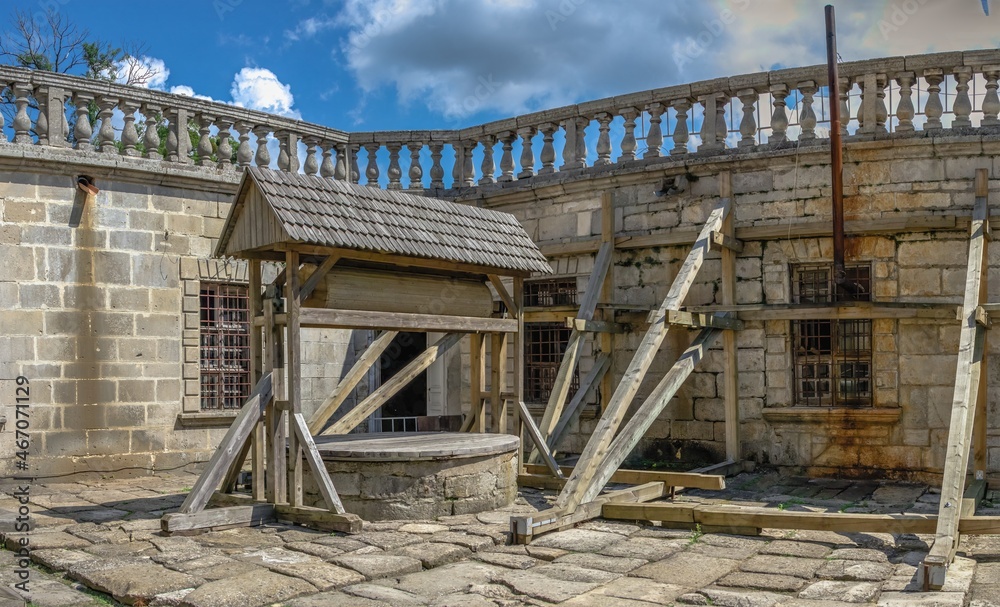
(359, 257)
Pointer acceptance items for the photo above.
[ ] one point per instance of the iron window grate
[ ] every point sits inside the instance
(225, 346)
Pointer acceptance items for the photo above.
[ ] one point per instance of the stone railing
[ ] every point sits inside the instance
(893, 97)
(45, 105)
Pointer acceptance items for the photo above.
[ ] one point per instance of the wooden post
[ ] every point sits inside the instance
(278, 438)
(518, 375)
(270, 412)
(731, 372)
(293, 361)
(606, 341)
(498, 381)
(256, 365)
(477, 371)
(581, 481)
(963, 408)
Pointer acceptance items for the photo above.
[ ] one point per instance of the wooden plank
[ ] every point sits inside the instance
(310, 284)
(726, 468)
(326, 488)
(647, 413)
(396, 383)
(581, 484)
(594, 326)
(357, 319)
(605, 341)
(498, 380)
(730, 390)
(293, 361)
(279, 438)
(518, 370)
(600, 369)
(723, 241)
(256, 365)
(505, 295)
(970, 355)
(567, 366)
(691, 480)
(403, 261)
(540, 481)
(270, 413)
(350, 381)
(229, 448)
(476, 378)
(218, 518)
(843, 310)
(536, 438)
(697, 320)
(319, 519)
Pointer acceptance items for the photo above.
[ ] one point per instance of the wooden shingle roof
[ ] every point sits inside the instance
(328, 213)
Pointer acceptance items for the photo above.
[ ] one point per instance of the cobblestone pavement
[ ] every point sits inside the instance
(95, 540)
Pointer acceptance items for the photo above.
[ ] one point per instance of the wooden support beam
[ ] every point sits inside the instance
(691, 480)
(326, 488)
(524, 528)
(971, 347)
(398, 321)
(605, 341)
(396, 383)
(498, 380)
(726, 468)
(313, 281)
(836, 311)
(536, 438)
(217, 519)
(293, 361)
(229, 448)
(350, 381)
(594, 326)
(724, 241)
(696, 320)
(731, 381)
(581, 486)
(477, 372)
(317, 518)
(505, 295)
(518, 370)
(257, 447)
(597, 373)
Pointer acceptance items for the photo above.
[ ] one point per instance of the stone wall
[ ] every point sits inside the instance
(785, 194)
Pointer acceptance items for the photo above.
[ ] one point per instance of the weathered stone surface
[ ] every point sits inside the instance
(338, 599)
(449, 579)
(799, 549)
(46, 540)
(578, 540)
(510, 561)
(762, 581)
(433, 554)
(59, 559)
(847, 592)
(613, 564)
(638, 590)
(319, 550)
(732, 598)
(543, 587)
(392, 596)
(225, 570)
(573, 573)
(340, 542)
(132, 583)
(594, 599)
(782, 565)
(691, 570)
(858, 571)
(249, 590)
(422, 528)
(921, 599)
(323, 576)
(650, 549)
(860, 554)
(374, 566)
(51, 593)
(472, 542)
(387, 540)
(462, 600)
(544, 553)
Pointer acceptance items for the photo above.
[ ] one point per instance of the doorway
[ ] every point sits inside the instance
(399, 413)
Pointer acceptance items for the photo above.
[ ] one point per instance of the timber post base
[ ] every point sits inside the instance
(239, 511)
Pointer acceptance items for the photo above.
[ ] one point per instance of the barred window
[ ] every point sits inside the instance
(225, 346)
(545, 342)
(832, 359)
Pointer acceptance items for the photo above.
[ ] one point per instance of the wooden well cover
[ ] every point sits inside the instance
(388, 291)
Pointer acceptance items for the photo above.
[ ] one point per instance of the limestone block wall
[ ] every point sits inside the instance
(102, 319)
(909, 197)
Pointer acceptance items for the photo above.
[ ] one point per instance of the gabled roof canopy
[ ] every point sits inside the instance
(274, 210)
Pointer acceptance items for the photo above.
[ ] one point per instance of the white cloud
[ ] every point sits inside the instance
(144, 72)
(307, 28)
(187, 91)
(259, 89)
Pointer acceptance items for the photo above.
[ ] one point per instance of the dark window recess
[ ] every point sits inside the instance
(225, 346)
(832, 359)
(545, 342)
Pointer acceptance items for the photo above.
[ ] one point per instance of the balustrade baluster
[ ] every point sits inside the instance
(284, 159)
(603, 139)
(263, 156)
(807, 115)
(933, 108)
(416, 172)
(904, 109)
(713, 137)
(244, 153)
(205, 140)
(963, 105)
(991, 102)
(224, 151)
(151, 133)
(681, 106)
(548, 155)
(629, 143)
(328, 168)
(82, 130)
(371, 169)
(106, 133)
(130, 136)
(507, 157)
(654, 138)
(394, 172)
(311, 166)
(748, 124)
(22, 122)
(488, 167)
(844, 84)
(352, 161)
(779, 118)
(3, 136)
(527, 154)
(581, 140)
(42, 120)
(468, 168)
(437, 171)
(569, 146)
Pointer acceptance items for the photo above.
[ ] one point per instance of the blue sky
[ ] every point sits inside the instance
(416, 64)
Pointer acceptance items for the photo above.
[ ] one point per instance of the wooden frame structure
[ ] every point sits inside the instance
(277, 218)
(581, 498)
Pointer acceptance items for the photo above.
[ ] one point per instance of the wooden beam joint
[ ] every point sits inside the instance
(720, 241)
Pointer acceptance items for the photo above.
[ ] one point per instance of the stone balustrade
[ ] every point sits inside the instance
(890, 97)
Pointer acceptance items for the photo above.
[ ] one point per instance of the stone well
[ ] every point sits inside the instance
(414, 476)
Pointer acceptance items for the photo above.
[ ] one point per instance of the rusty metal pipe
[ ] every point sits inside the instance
(836, 150)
